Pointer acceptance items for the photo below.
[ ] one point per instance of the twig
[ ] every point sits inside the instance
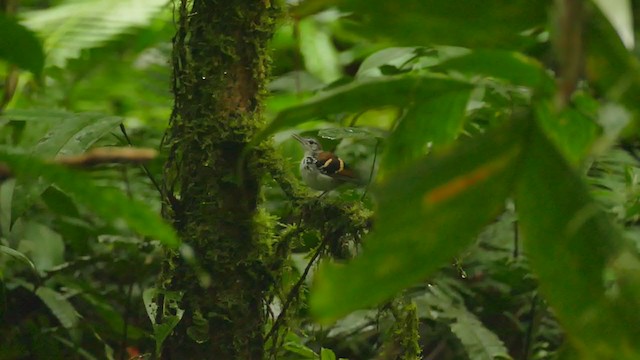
(144, 167)
(295, 289)
(373, 166)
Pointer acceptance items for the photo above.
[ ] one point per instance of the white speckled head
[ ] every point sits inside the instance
(310, 145)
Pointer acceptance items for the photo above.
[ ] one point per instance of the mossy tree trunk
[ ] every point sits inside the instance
(220, 68)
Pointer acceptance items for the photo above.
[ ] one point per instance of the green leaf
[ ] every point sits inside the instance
(110, 204)
(620, 15)
(513, 67)
(20, 46)
(570, 129)
(489, 23)
(171, 316)
(479, 342)
(71, 134)
(437, 120)
(70, 27)
(569, 242)
(44, 246)
(20, 256)
(418, 225)
(60, 307)
(610, 67)
(320, 56)
(362, 95)
(327, 354)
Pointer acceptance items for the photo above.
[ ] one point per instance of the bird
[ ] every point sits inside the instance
(323, 170)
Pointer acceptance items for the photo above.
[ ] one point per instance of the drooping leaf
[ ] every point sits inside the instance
(418, 225)
(60, 307)
(20, 46)
(111, 204)
(569, 242)
(362, 95)
(513, 67)
(20, 256)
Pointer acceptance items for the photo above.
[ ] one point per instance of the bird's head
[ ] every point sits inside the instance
(310, 145)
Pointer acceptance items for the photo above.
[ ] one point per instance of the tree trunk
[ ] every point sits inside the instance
(220, 69)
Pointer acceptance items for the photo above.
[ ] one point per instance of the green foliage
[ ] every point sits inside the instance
(505, 201)
(20, 46)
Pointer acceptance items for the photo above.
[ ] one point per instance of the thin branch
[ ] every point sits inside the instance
(293, 293)
(144, 167)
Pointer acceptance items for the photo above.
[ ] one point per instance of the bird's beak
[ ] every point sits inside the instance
(302, 141)
(299, 138)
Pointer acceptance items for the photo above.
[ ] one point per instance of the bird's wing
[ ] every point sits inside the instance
(331, 165)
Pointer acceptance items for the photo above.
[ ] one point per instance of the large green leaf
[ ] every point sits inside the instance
(436, 120)
(569, 242)
(513, 67)
(365, 94)
(427, 214)
(109, 203)
(475, 23)
(20, 46)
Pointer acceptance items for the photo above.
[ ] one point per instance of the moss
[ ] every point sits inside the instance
(404, 341)
(220, 69)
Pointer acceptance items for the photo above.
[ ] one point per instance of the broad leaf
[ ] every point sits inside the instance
(513, 67)
(71, 134)
(569, 242)
(419, 223)
(60, 307)
(109, 203)
(430, 121)
(488, 23)
(20, 46)
(362, 95)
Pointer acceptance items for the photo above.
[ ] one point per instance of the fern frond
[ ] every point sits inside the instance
(69, 28)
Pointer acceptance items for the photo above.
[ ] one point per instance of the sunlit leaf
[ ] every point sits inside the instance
(620, 15)
(111, 204)
(72, 26)
(320, 55)
(418, 225)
